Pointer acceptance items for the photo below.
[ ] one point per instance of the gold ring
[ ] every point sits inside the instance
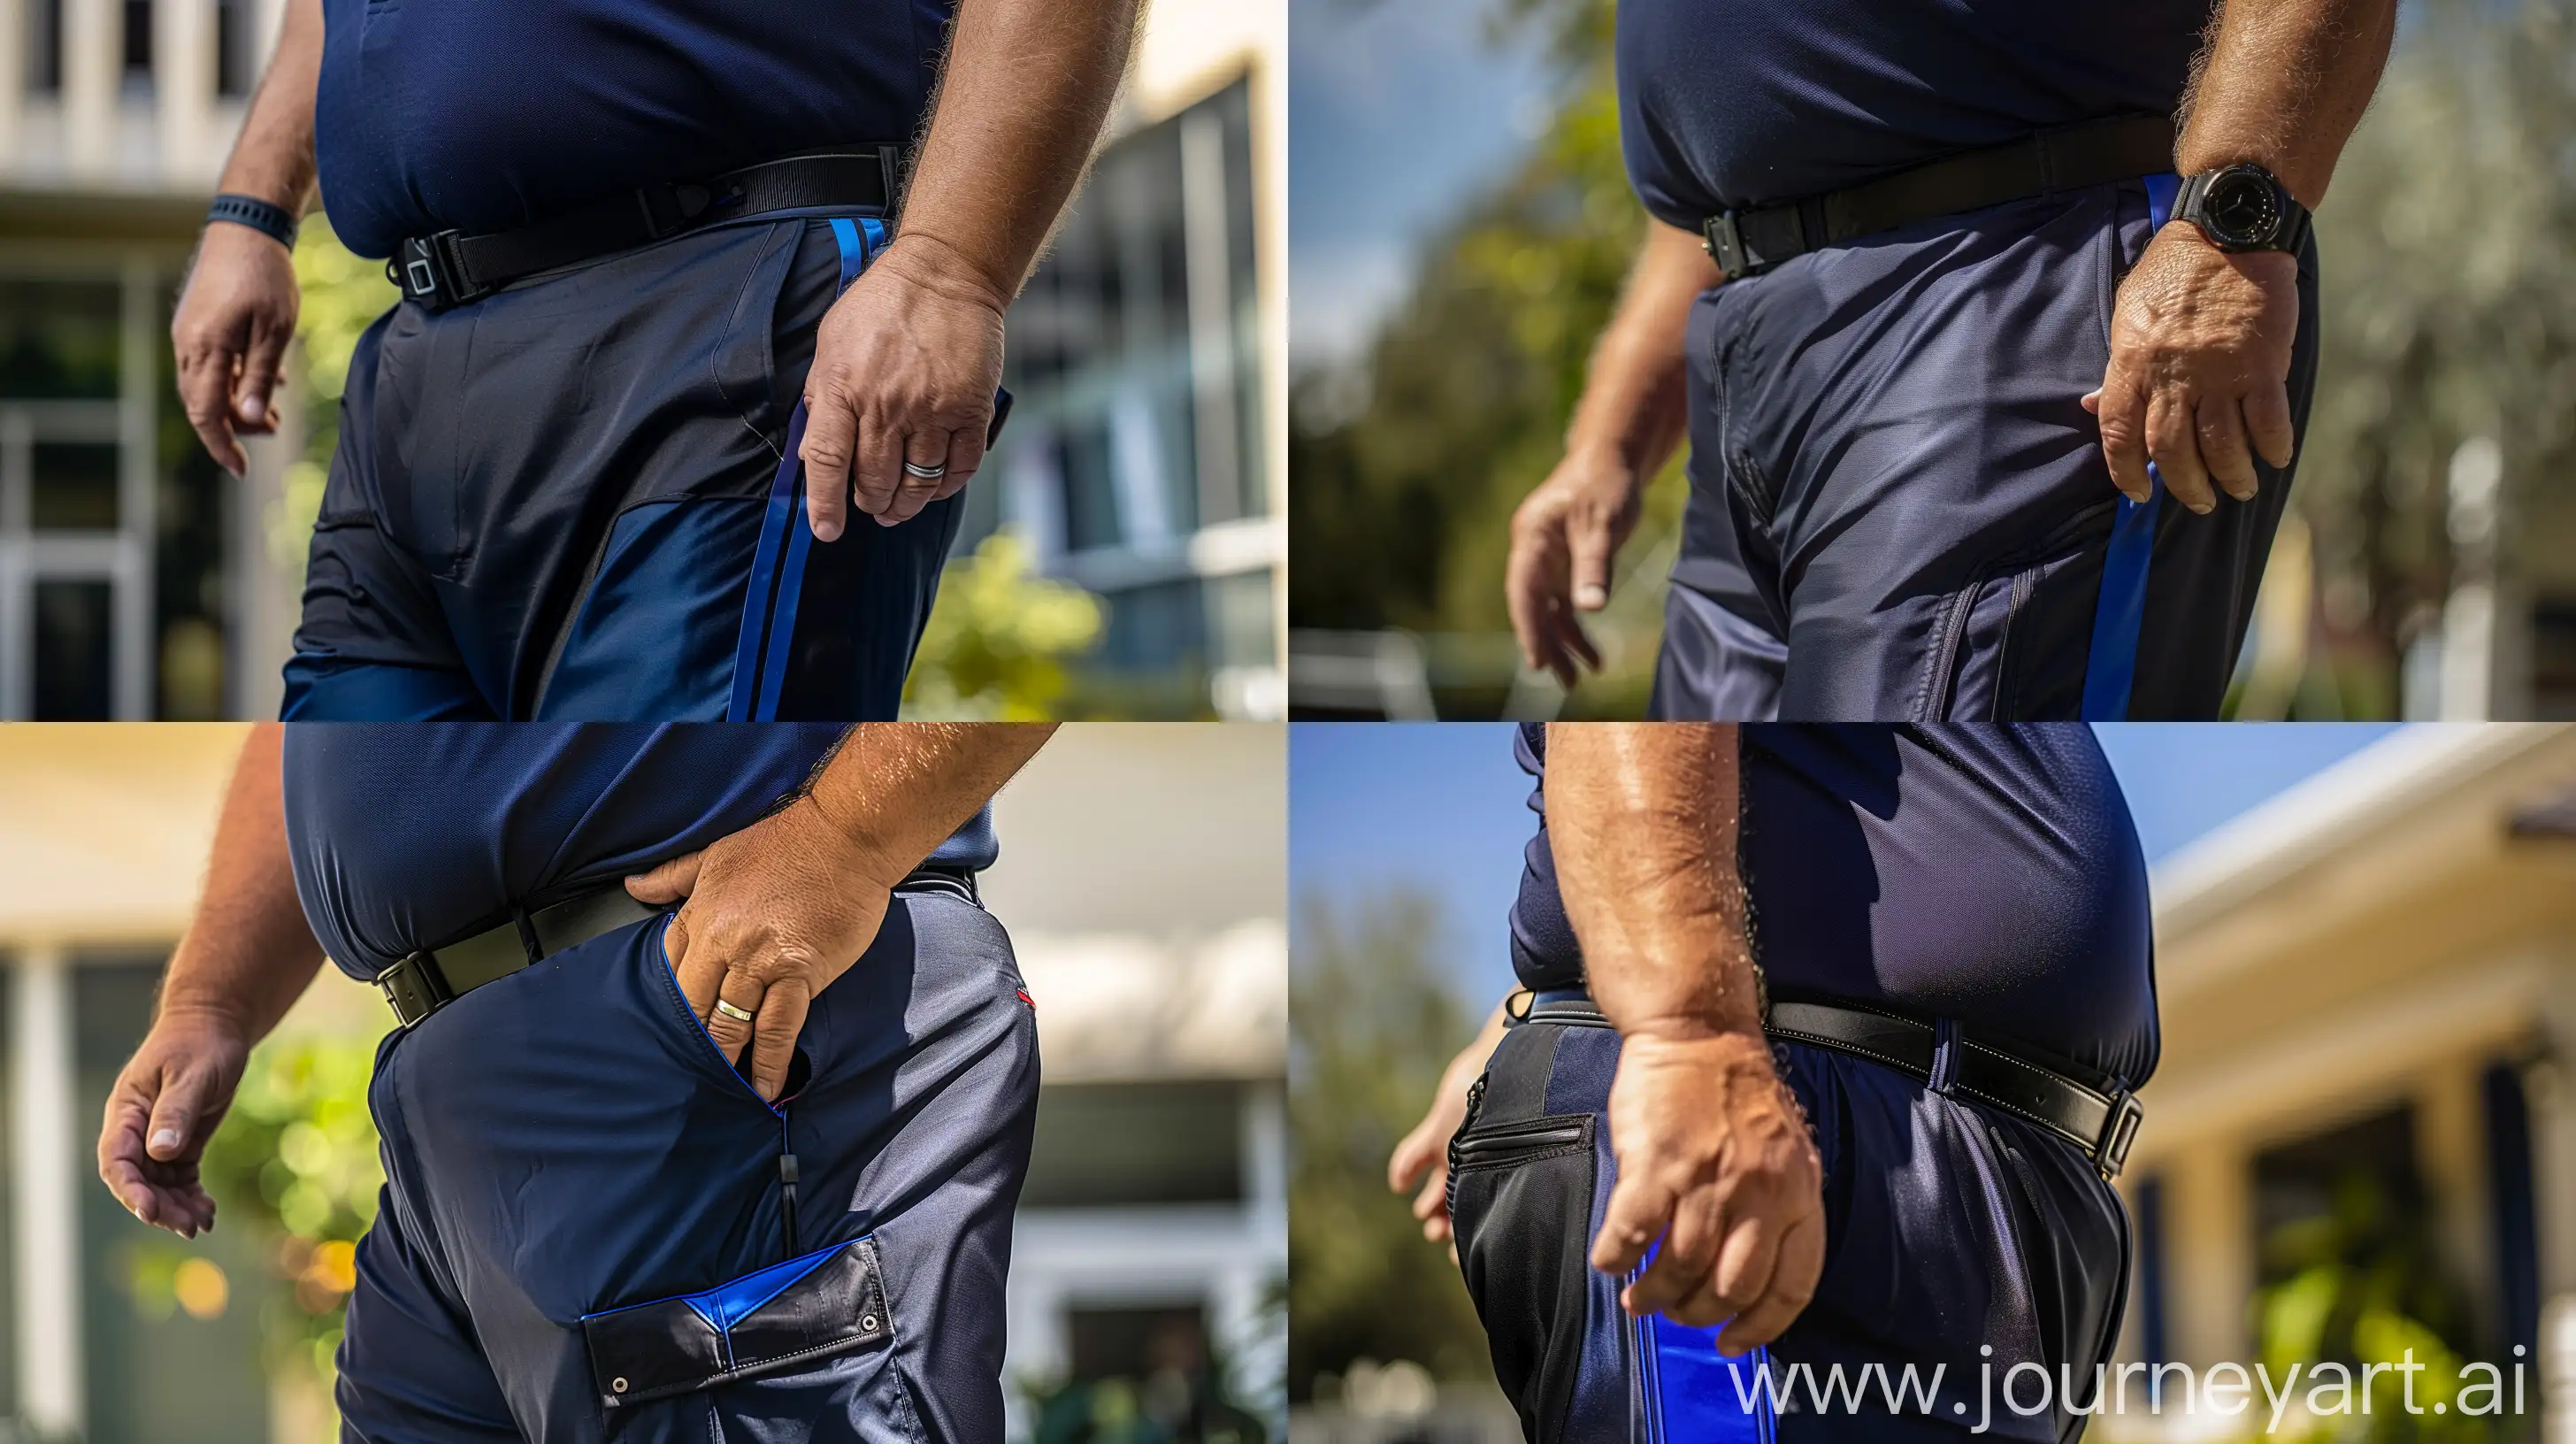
(730, 1011)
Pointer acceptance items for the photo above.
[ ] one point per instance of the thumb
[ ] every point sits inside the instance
(1638, 1213)
(1588, 539)
(668, 883)
(172, 1131)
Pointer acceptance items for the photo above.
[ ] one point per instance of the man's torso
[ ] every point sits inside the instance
(1988, 874)
(408, 836)
(489, 114)
(1740, 103)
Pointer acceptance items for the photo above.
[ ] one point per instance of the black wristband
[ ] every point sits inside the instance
(272, 221)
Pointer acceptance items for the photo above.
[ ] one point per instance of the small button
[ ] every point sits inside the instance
(868, 1322)
(617, 1385)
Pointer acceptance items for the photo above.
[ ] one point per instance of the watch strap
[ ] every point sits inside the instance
(269, 219)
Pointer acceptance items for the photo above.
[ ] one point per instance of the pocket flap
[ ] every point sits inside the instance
(828, 1302)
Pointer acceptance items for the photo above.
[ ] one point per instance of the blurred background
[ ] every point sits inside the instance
(1124, 551)
(1141, 879)
(2361, 1138)
(1449, 290)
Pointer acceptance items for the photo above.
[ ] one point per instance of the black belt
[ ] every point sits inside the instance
(452, 268)
(431, 979)
(1747, 242)
(2101, 1125)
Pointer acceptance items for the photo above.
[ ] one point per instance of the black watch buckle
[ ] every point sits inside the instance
(426, 270)
(2111, 1150)
(415, 988)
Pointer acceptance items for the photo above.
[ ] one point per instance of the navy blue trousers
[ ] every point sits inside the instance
(578, 499)
(1947, 1229)
(1900, 512)
(584, 1232)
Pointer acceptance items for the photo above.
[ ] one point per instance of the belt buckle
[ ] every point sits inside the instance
(1724, 242)
(2111, 1150)
(425, 268)
(415, 988)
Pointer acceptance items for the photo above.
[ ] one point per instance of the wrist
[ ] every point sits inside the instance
(242, 210)
(219, 1016)
(921, 257)
(861, 852)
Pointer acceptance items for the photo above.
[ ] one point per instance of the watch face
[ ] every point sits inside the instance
(2242, 207)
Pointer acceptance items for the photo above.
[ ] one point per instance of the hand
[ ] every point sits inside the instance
(1715, 1160)
(164, 1107)
(1425, 1150)
(2200, 364)
(1564, 537)
(905, 367)
(775, 912)
(230, 335)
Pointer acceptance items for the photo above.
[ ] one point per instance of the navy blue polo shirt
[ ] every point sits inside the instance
(1989, 874)
(415, 834)
(488, 114)
(1748, 102)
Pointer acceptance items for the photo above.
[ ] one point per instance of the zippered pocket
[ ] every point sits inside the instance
(828, 1302)
(1520, 1202)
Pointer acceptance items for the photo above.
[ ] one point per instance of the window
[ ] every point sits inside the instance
(44, 73)
(138, 45)
(112, 518)
(236, 61)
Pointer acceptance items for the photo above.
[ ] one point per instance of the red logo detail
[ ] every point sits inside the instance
(1025, 998)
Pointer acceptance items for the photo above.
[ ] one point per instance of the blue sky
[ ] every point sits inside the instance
(1441, 807)
(1401, 112)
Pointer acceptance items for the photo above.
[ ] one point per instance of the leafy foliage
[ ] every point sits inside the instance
(1371, 1026)
(999, 639)
(296, 1160)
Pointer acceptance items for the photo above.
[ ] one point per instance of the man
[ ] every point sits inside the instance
(769, 1141)
(661, 334)
(1942, 327)
(1896, 1158)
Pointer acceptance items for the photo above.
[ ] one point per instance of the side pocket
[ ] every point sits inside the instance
(1521, 1201)
(825, 1303)
(2011, 645)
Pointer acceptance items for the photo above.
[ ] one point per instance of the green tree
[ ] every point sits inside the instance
(1371, 1025)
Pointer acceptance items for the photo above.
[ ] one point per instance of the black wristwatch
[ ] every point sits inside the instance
(2242, 208)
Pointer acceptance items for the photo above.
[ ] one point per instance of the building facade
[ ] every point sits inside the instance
(2368, 994)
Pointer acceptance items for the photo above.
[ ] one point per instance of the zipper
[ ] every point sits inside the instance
(1507, 1143)
(786, 1192)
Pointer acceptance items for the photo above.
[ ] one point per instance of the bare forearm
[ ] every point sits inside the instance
(248, 953)
(1027, 86)
(273, 157)
(2284, 85)
(1642, 821)
(897, 790)
(1632, 409)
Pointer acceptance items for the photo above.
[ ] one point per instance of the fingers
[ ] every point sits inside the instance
(2219, 427)
(773, 1036)
(259, 378)
(877, 474)
(2174, 446)
(1588, 538)
(670, 882)
(1793, 1282)
(205, 384)
(2122, 409)
(1742, 1274)
(965, 457)
(831, 435)
(929, 451)
(1526, 576)
(172, 1132)
(1431, 1206)
(1684, 1258)
(699, 970)
(1413, 1153)
(742, 991)
(1639, 1211)
(2267, 420)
